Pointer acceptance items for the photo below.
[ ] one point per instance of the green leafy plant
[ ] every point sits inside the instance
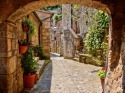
(23, 42)
(96, 32)
(31, 25)
(94, 40)
(38, 51)
(57, 17)
(101, 73)
(28, 63)
(75, 6)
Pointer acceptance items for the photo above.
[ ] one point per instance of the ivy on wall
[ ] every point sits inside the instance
(94, 38)
(96, 32)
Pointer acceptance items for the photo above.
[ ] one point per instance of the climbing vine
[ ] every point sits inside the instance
(94, 40)
(96, 32)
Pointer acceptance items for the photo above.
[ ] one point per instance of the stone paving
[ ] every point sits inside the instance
(67, 76)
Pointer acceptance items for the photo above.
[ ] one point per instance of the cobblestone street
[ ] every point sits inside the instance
(67, 76)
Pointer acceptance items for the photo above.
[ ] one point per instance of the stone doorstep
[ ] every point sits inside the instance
(41, 66)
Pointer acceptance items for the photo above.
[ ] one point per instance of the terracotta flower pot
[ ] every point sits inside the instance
(25, 28)
(29, 80)
(22, 49)
(36, 78)
(102, 83)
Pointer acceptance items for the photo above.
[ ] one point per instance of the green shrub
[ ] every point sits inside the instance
(38, 51)
(28, 63)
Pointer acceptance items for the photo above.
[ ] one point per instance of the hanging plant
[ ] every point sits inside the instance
(28, 26)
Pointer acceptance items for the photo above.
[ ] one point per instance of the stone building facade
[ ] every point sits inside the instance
(56, 37)
(12, 77)
(35, 38)
(44, 34)
(13, 11)
(66, 25)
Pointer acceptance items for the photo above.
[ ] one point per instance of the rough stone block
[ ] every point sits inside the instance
(86, 3)
(15, 85)
(3, 27)
(7, 65)
(9, 34)
(8, 44)
(19, 61)
(11, 64)
(14, 44)
(20, 76)
(3, 67)
(2, 34)
(47, 33)
(2, 54)
(6, 82)
(10, 27)
(8, 54)
(44, 37)
(13, 35)
(3, 45)
(52, 2)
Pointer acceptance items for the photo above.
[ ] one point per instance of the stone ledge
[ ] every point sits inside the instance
(41, 66)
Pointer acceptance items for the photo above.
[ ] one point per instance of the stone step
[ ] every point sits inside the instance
(76, 59)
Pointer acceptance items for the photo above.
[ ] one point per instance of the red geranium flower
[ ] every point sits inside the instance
(103, 68)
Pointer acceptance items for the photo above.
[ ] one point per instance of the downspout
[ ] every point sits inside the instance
(39, 26)
(39, 33)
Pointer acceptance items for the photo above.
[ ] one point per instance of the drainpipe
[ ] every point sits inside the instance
(39, 26)
(40, 31)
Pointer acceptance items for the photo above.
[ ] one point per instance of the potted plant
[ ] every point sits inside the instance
(38, 52)
(28, 26)
(29, 65)
(101, 73)
(23, 45)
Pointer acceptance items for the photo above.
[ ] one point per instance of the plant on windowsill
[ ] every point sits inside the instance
(29, 26)
(23, 45)
(29, 65)
(101, 73)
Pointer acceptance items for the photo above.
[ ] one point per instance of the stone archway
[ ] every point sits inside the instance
(12, 11)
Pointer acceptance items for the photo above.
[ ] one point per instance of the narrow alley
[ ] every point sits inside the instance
(67, 76)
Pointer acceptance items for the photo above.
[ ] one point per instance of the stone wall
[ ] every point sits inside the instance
(66, 24)
(11, 73)
(115, 77)
(45, 36)
(35, 38)
(14, 10)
